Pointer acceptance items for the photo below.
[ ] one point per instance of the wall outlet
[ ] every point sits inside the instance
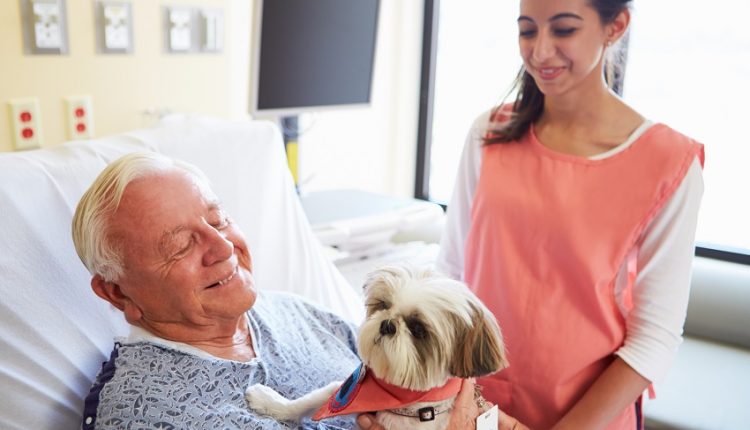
(26, 124)
(44, 26)
(117, 26)
(80, 117)
(179, 29)
(114, 27)
(47, 26)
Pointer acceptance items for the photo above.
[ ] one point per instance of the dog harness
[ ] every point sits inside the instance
(548, 233)
(364, 392)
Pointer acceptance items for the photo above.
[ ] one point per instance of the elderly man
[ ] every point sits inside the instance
(162, 250)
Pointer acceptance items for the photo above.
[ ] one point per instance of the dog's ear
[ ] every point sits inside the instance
(481, 350)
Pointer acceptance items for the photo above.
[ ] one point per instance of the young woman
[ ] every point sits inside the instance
(573, 218)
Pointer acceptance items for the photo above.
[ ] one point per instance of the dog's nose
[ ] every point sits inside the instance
(387, 328)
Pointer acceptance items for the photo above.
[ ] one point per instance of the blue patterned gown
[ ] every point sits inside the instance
(156, 384)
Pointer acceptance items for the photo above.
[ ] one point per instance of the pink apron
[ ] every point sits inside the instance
(549, 232)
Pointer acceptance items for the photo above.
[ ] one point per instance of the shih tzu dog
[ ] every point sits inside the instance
(422, 333)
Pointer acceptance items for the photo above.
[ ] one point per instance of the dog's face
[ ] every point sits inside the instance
(422, 328)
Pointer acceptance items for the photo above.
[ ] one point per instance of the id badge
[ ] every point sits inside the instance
(488, 420)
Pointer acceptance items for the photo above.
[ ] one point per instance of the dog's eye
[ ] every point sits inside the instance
(378, 305)
(417, 329)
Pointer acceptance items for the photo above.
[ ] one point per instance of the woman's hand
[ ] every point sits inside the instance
(465, 410)
(463, 416)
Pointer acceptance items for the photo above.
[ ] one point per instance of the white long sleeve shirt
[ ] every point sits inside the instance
(661, 290)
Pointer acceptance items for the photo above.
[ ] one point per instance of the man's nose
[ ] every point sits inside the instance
(387, 328)
(219, 248)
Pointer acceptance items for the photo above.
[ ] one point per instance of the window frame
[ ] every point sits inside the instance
(431, 16)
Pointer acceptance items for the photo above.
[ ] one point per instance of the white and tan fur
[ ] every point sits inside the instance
(421, 329)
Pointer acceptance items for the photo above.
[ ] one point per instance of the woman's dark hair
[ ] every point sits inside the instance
(529, 101)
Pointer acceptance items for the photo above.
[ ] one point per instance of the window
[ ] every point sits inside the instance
(688, 63)
(477, 60)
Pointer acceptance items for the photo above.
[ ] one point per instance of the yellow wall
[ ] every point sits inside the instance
(121, 86)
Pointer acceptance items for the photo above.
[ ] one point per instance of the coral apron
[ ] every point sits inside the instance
(548, 235)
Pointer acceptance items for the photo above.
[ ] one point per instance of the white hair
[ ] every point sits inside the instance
(91, 220)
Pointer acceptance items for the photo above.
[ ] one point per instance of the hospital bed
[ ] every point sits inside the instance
(54, 332)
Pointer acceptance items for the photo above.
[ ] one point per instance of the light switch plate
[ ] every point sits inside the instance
(211, 23)
(80, 117)
(114, 27)
(44, 26)
(179, 29)
(25, 123)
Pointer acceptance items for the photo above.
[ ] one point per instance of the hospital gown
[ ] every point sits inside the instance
(148, 384)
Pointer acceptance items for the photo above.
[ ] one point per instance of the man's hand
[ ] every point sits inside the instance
(463, 417)
(367, 422)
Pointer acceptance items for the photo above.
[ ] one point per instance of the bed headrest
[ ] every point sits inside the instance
(54, 332)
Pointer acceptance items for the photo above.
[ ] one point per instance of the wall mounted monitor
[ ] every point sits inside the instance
(309, 55)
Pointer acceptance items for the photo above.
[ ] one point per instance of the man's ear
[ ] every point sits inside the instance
(108, 291)
(112, 293)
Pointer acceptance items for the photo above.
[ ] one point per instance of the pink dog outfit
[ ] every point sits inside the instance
(364, 392)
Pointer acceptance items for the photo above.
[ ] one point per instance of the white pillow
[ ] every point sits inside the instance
(54, 332)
